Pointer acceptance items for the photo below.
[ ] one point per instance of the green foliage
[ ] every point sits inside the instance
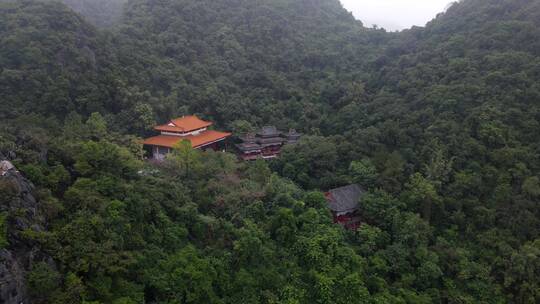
(98, 158)
(522, 275)
(312, 162)
(259, 171)
(421, 195)
(3, 230)
(363, 172)
(185, 277)
(531, 186)
(438, 124)
(241, 127)
(144, 118)
(185, 160)
(59, 61)
(43, 280)
(96, 126)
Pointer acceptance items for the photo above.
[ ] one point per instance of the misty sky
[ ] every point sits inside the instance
(395, 14)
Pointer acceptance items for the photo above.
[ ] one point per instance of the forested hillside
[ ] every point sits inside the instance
(244, 61)
(54, 63)
(439, 124)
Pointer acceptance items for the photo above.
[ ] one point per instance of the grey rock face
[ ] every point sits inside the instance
(21, 207)
(5, 167)
(13, 289)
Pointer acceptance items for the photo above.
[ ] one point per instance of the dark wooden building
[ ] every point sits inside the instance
(292, 136)
(344, 204)
(249, 149)
(266, 143)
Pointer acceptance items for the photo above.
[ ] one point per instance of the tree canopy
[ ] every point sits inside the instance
(440, 126)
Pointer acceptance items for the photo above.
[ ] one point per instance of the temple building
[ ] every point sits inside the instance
(266, 143)
(189, 128)
(292, 136)
(344, 204)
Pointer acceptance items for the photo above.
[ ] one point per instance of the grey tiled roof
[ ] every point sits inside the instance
(345, 198)
(249, 147)
(270, 140)
(269, 131)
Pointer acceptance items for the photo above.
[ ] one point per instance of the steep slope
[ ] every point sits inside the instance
(280, 62)
(20, 216)
(51, 61)
(458, 103)
(471, 76)
(261, 61)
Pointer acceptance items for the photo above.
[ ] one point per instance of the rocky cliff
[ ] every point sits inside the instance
(18, 213)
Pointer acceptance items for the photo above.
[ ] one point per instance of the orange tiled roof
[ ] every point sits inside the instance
(163, 140)
(168, 128)
(185, 124)
(197, 141)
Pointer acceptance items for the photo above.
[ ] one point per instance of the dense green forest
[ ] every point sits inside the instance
(440, 125)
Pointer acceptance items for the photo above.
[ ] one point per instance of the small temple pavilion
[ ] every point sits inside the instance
(190, 128)
(344, 204)
(266, 143)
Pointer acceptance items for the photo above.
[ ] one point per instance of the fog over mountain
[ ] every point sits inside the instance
(102, 13)
(395, 14)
